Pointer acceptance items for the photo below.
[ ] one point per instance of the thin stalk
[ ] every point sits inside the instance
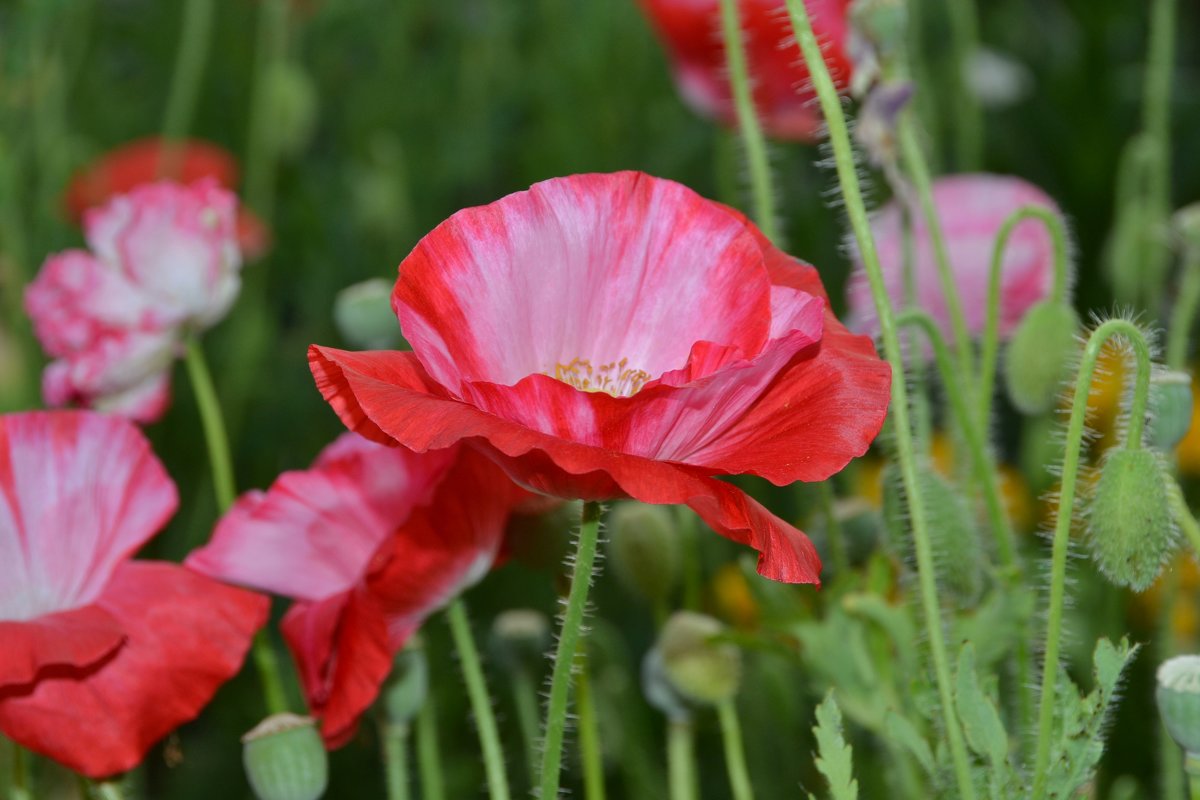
(190, 61)
(735, 752)
(555, 726)
(834, 533)
(989, 354)
(1170, 760)
(1156, 122)
(964, 32)
(748, 124)
(691, 557)
(267, 664)
(1183, 517)
(1183, 313)
(1062, 528)
(395, 760)
(214, 424)
(856, 210)
(525, 700)
(21, 780)
(481, 703)
(681, 759)
(589, 732)
(107, 790)
(922, 413)
(429, 757)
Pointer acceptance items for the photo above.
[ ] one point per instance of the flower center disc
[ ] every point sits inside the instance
(616, 378)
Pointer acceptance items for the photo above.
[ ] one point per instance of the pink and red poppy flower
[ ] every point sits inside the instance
(102, 655)
(369, 542)
(972, 208)
(783, 96)
(612, 336)
(155, 159)
(163, 263)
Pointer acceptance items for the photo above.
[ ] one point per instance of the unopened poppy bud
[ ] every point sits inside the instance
(699, 666)
(364, 317)
(520, 637)
(1130, 528)
(659, 691)
(1039, 354)
(408, 685)
(1171, 401)
(643, 547)
(1178, 697)
(293, 102)
(285, 759)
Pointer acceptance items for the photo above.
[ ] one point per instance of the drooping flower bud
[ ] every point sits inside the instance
(1171, 401)
(520, 637)
(1040, 354)
(407, 687)
(285, 759)
(698, 666)
(644, 549)
(1178, 697)
(364, 317)
(1130, 528)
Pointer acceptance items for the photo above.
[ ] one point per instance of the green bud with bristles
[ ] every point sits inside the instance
(1178, 697)
(643, 548)
(285, 759)
(1039, 354)
(407, 686)
(1171, 404)
(364, 317)
(697, 664)
(1130, 528)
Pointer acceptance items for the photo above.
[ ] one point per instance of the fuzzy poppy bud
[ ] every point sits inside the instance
(520, 637)
(644, 549)
(364, 317)
(407, 687)
(1039, 354)
(698, 666)
(1130, 528)
(1178, 697)
(1171, 399)
(285, 759)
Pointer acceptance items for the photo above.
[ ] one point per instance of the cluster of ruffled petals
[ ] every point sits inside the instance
(163, 263)
(783, 95)
(368, 542)
(102, 655)
(971, 209)
(605, 336)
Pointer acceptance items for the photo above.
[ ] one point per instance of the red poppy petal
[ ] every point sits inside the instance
(76, 639)
(187, 635)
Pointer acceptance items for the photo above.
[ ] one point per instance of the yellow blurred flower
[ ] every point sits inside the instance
(733, 598)
(1188, 451)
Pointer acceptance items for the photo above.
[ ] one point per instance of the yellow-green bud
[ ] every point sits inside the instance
(1040, 354)
(1178, 696)
(1130, 528)
(364, 317)
(285, 759)
(644, 550)
(1171, 403)
(697, 665)
(406, 688)
(520, 638)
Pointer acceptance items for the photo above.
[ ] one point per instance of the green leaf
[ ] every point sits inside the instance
(981, 723)
(901, 731)
(834, 759)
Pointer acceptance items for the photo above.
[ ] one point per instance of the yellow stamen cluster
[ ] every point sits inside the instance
(616, 378)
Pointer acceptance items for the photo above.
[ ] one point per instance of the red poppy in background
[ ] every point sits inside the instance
(783, 94)
(605, 336)
(153, 159)
(370, 541)
(102, 655)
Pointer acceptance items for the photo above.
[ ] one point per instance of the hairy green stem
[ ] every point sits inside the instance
(555, 727)
(481, 703)
(395, 759)
(681, 759)
(1066, 503)
(989, 354)
(589, 731)
(190, 61)
(856, 210)
(735, 752)
(429, 757)
(1183, 313)
(748, 124)
(964, 31)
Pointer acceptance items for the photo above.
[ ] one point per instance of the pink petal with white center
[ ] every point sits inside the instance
(79, 493)
(313, 534)
(972, 209)
(577, 274)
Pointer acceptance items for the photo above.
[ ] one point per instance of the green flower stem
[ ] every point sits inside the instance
(1194, 786)
(964, 32)
(1170, 759)
(1184, 517)
(834, 533)
(107, 790)
(270, 49)
(589, 731)
(267, 664)
(1156, 123)
(525, 700)
(568, 643)
(856, 210)
(20, 778)
(691, 558)
(748, 124)
(1066, 503)
(735, 752)
(681, 759)
(395, 760)
(1183, 313)
(189, 70)
(922, 413)
(481, 703)
(918, 170)
(429, 757)
(1058, 293)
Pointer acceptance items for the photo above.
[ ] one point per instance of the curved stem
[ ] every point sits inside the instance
(856, 210)
(748, 124)
(481, 703)
(429, 757)
(735, 752)
(681, 759)
(589, 732)
(1066, 503)
(214, 424)
(991, 328)
(189, 70)
(395, 760)
(568, 643)
(1183, 313)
